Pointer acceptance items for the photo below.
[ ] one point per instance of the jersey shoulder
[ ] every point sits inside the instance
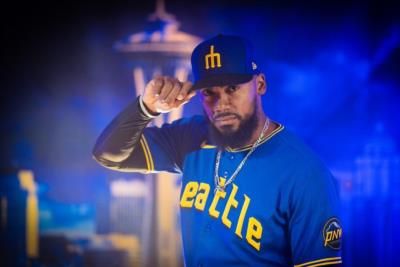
(304, 162)
(288, 142)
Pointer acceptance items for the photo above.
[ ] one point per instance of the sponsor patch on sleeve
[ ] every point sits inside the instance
(332, 234)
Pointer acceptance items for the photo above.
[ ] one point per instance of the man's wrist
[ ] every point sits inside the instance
(146, 110)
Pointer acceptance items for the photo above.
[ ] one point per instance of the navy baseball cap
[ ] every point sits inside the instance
(223, 60)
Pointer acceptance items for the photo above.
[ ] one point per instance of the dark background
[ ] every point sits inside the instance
(332, 69)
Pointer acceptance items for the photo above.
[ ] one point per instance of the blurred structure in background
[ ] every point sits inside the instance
(19, 211)
(161, 49)
(370, 193)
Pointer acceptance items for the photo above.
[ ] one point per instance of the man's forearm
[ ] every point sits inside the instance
(121, 136)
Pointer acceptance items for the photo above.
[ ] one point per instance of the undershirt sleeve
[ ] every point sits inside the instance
(126, 144)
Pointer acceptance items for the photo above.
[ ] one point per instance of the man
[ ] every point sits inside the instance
(252, 193)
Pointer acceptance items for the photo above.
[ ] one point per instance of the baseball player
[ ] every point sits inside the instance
(252, 194)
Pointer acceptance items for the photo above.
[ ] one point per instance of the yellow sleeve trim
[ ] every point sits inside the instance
(325, 263)
(321, 262)
(147, 154)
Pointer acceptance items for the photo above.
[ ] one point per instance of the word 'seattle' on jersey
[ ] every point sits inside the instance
(281, 210)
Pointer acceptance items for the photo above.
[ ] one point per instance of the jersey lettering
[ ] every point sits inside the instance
(189, 194)
(232, 202)
(201, 198)
(198, 193)
(243, 212)
(254, 232)
(212, 210)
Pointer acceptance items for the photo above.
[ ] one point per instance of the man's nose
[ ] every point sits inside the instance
(223, 102)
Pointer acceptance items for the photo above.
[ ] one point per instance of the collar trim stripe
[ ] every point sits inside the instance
(265, 139)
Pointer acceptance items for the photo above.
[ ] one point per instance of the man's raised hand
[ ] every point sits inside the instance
(163, 94)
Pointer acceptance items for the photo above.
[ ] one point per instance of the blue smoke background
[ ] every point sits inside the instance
(333, 77)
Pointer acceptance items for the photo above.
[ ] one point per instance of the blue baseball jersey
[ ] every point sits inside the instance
(281, 210)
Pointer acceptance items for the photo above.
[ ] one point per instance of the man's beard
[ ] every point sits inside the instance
(238, 138)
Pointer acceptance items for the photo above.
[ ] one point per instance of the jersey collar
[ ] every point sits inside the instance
(206, 145)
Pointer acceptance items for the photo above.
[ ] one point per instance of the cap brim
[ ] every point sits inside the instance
(221, 80)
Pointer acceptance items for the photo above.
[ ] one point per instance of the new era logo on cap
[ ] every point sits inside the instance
(223, 60)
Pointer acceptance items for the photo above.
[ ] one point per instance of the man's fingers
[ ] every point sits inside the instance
(174, 92)
(167, 93)
(189, 96)
(184, 90)
(166, 89)
(154, 87)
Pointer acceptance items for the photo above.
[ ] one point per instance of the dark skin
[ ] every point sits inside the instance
(228, 106)
(225, 106)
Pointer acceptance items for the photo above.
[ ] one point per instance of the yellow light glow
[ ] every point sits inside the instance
(27, 182)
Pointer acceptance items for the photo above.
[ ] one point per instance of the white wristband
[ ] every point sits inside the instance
(144, 109)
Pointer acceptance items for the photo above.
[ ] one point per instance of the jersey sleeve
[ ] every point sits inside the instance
(164, 148)
(127, 145)
(314, 227)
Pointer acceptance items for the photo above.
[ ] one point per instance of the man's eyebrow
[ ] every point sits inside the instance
(230, 85)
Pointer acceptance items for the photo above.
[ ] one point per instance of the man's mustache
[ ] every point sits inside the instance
(223, 114)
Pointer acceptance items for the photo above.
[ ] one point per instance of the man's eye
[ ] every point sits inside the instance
(207, 92)
(232, 88)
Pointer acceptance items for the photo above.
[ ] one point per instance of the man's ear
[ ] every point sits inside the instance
(261, 84)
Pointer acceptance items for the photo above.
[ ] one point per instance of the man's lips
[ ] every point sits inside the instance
(225, 118)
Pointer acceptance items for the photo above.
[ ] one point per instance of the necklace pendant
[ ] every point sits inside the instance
(221, 182)
(219, 189)
(220, 186)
